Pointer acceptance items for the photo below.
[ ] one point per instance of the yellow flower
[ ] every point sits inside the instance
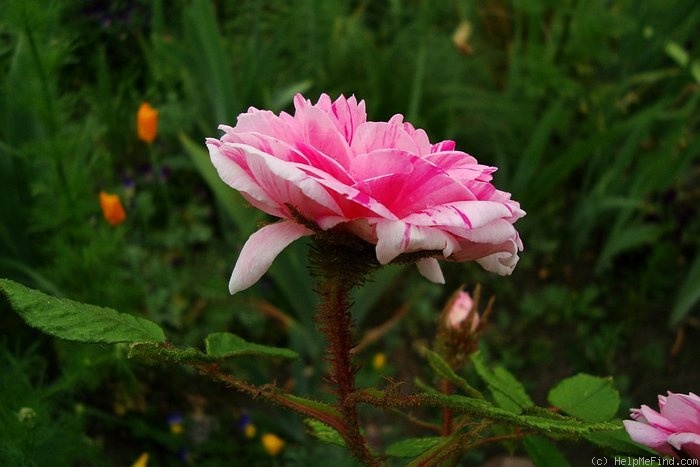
(249, 431)
(177, 428)
(112, 208)
(272, 443)
(379, 361)
(147, 123)
(142, 461)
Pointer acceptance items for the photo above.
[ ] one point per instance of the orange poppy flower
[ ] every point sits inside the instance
(147, 123)
(112, 208)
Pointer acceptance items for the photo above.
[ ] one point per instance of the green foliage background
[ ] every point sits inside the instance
(589, 109)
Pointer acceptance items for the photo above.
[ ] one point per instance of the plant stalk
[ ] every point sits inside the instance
(338, 269)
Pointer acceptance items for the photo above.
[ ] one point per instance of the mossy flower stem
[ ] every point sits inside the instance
(338, 267)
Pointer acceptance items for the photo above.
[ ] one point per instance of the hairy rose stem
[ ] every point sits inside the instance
(340, 267)
(446, 388)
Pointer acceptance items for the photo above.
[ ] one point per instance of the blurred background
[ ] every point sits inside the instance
(590, 110)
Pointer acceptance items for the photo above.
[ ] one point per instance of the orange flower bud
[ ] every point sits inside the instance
(112, 208)
(147, 123)
(272, 443)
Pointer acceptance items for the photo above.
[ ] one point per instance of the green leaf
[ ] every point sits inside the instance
(413, 447)
(232, 203)
(587, 397)
(506, 390)
(626, 238)
(689, 293)
(75, 321)
(543, 453)
(677, 53)
(552, 423)
(226, 345)
(618, 441)
(324, 433)
(282, 97)
(320, 407)
(443, 369)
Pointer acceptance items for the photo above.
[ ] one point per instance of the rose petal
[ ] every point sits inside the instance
(689, 443)
(469, 214)
(655, 419)
(447, 145)
(346, 114)
(430, 269)
(494, 233)
(683, 411)
(354, 204)
(284, 183)
(397, 237)
(502, 263)
(236, 177)
(260, 251)
(371, 136)
(320, 132)
(266, 123)
(648, 436)
(404, 194)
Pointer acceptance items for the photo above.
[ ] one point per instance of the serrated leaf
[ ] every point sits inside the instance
(481, 408)
(506, 390)
(75, 321)
(413, 447)
(324, 433)
(227, 345)
(543, 453)
(587, 397)
(443, 369)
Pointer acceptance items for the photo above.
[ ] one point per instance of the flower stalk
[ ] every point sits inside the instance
(338, 268)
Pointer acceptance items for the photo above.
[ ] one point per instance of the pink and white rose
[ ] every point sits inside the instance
(384, 182)
(673, 430)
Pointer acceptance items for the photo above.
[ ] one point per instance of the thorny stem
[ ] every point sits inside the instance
(446, 388)
(267, 392)
(338, 269)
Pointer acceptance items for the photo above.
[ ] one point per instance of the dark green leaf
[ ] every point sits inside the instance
(281, 98)
(75, 321)
(618, 441)
(481, 408)
(231, 202)
(587, 397)
(689, 293)
(413, 447)
(543, 453)
(443, 369)
(321, 409)
(507, 391)
(226, 345)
